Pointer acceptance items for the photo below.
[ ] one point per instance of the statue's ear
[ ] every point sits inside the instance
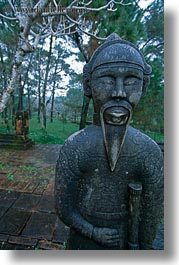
(146, 82)
(146, 78)
(86, 81)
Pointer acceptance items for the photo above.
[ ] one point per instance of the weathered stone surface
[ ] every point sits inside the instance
(7, 198)
(3, 237)
(49, 188)
(28, 202)
(22, 241)
(8, 246)
(13, 221)
(41, 226)
(46, 204)
(3, 210)
(158, 243)
(31, 186)
(40, 189)
(35, 166)
(5, 183)
(47, 245)
(21, 185)
(61, 233)
(22, 247)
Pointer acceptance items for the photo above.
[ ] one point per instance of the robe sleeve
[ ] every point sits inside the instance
(67, 180)
(152, 197)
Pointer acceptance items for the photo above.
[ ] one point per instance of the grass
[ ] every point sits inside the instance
(57, 132)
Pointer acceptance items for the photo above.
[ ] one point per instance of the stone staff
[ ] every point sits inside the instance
(134, 190)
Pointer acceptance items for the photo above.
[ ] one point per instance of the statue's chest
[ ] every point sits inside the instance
(106, 184)
(97, 169)
(104, 191)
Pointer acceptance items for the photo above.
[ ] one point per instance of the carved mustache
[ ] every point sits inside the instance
(116, 112)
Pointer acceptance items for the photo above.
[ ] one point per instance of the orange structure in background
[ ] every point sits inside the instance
(22, 123)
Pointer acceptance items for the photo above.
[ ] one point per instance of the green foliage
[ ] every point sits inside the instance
(73, 103)
(148, 115)
(8, 28)
(57, 132)
(125, 21)
(28, 168)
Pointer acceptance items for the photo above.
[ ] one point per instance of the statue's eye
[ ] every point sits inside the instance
(110, 82)
(130, 81)
(107, 80)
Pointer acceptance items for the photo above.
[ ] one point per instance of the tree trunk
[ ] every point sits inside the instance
(20, 96)
(23, 48)
(14, 81)
(52, 104)
(39, 104)
(4, 75)
(13, 111)
(43, 117)
(86, 101)
(25, 82)
(53, 92)
(45, 84)
(39, 90)
(29, 104)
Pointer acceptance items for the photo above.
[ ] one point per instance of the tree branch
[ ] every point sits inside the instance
(9, 18)
(91, 34)
(10, 3)
(28, 21)
(110, 3)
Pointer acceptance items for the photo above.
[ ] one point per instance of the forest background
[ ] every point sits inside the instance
(42, 56)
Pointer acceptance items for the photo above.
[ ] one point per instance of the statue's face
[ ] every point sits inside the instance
(114, 78)
(115, 83)
(116, 90)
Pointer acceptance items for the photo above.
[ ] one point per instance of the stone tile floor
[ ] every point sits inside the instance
(27, 215)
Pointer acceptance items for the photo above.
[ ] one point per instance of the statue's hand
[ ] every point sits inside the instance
(106, 236)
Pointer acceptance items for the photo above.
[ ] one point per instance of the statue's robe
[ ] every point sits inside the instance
(89, 195)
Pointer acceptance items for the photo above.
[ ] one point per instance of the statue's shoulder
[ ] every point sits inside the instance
(84, 134)
(148, 155)
(142, 141)
(84, 138)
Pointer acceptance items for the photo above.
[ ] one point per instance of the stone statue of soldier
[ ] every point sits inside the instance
(109, 176)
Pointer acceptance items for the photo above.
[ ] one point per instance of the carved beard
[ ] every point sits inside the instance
(115, 117)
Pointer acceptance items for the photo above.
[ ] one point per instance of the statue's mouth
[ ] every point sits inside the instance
(116, 115)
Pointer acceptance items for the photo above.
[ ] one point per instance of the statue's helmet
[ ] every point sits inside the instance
(115, 50)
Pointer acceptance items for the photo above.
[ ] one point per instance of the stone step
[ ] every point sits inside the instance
(12, 141)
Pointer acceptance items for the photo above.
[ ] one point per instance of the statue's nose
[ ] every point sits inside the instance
(119, 91)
